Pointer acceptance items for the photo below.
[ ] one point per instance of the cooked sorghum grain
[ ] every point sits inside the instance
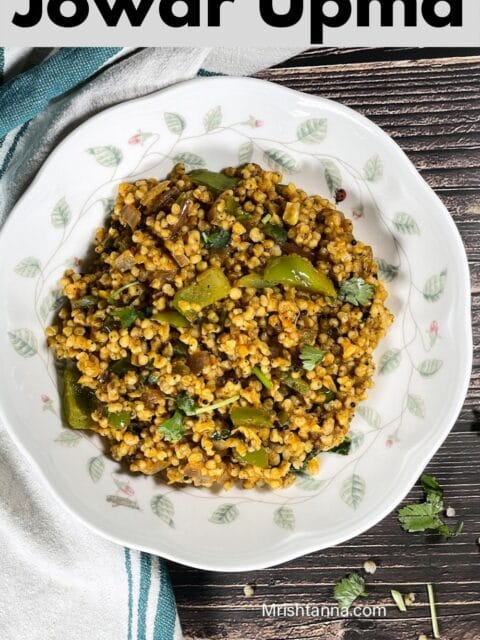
(156, 243)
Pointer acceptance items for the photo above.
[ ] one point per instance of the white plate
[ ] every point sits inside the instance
(424, 363)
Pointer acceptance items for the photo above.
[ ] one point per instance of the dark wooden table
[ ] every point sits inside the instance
(429, 102)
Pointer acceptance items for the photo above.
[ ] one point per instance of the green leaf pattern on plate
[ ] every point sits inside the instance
(387, 271)
(108, 156)
(108, 204)
(429, 368)
(312, 131)
(390, 361)
(69, 438)
(191, 160)
(120, 501)
(370, 415)
(435, 286)
(224, 514)
(24, 342)
(357, 439)
(176, 123)
(353, 490)
(213, 119)
(416, 405)
(284, 518)
(405, 223)
(280, 161)
(245, 152)
(308, 483)
(96, 467)
(163, 507)
(51, 303)
(333, 177)
(28, 267)
(61, 214)
(373, 169)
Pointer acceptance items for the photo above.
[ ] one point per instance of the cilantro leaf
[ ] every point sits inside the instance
(275, 232)
(426, 516)
(343, 449)
(420, 517)
(430, 485)
(127, 316)
(349, 589)
(173, 429)
(356, 291)
(310, 357)
(217, 238)
(185, 403)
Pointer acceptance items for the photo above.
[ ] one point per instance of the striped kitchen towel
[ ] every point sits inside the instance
(58, 580)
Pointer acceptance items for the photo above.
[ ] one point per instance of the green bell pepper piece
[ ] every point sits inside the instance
(297, 384)
(299, 272)
(258, 458)
(250, 417)
(254, 281)
(78, 401)
(119, 420)
(173, 318)
(210, 287)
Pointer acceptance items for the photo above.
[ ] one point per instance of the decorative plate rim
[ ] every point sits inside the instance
(299, 543)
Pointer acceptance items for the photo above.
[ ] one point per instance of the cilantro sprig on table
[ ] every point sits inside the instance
(426, 516)
(356, 291)
(349, 589)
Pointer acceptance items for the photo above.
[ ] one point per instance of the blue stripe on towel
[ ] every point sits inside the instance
(128, 569)
(166, 609)
(145, 580)
(27, 94)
